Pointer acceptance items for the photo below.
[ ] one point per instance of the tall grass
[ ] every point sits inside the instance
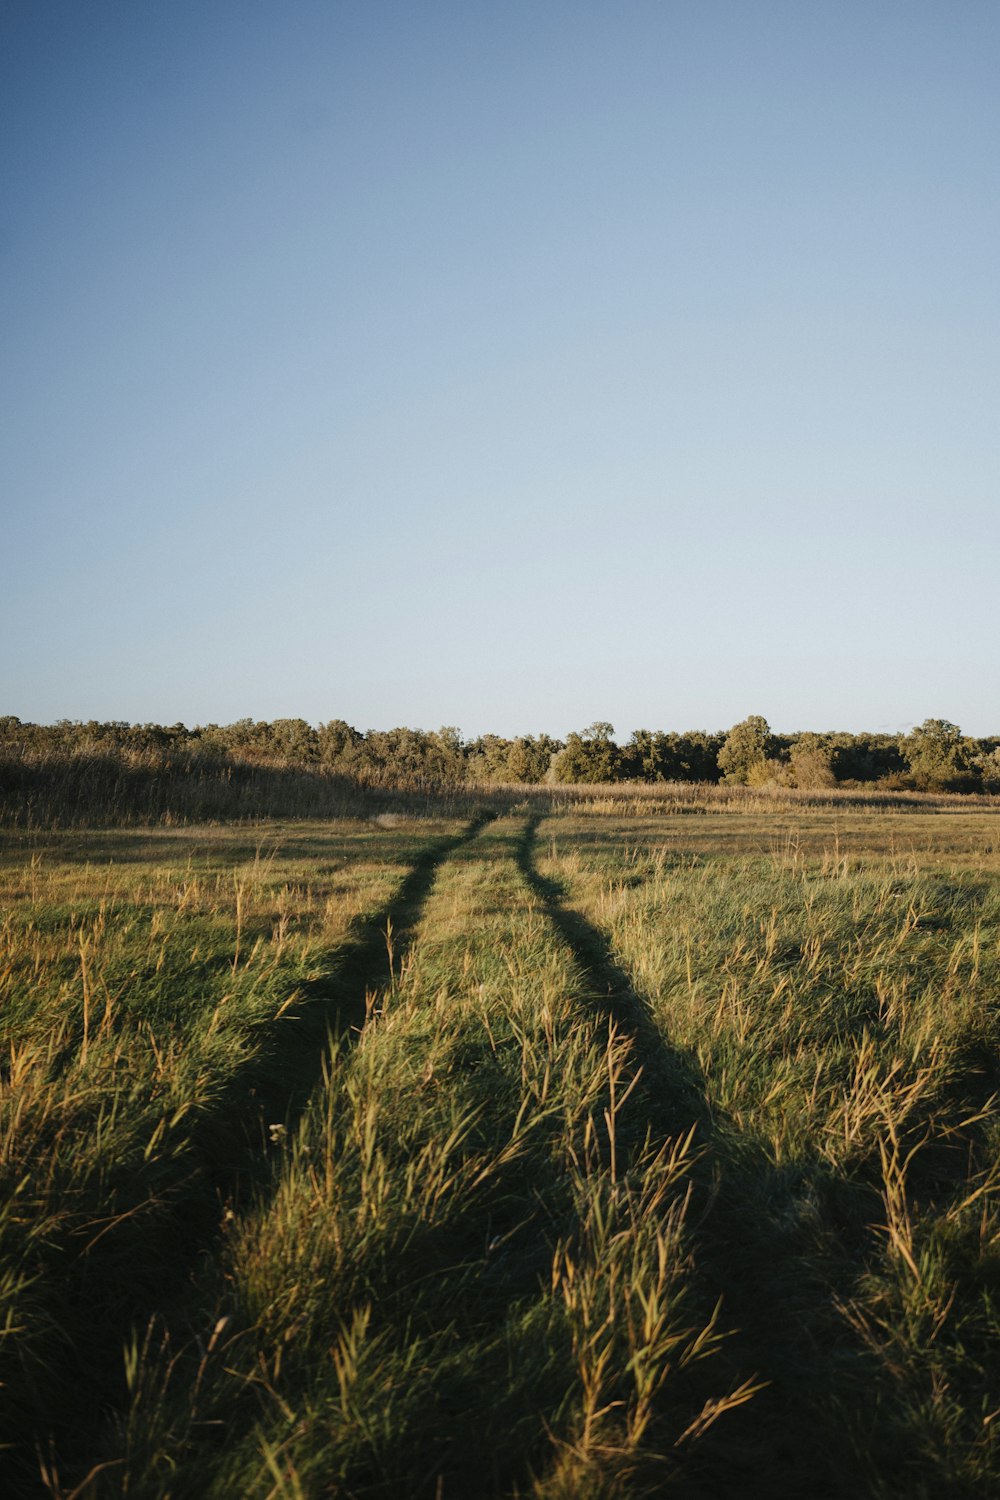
(470, 1271)
(89, 788)
(142, 786)
(581, 1147)
(155, 1011)
(839, 1015)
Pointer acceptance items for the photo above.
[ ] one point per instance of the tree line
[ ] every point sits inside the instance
(936, 756)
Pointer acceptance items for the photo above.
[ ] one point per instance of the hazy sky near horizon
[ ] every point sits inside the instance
(510, 366)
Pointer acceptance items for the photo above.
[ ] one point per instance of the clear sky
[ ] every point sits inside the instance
(508, 365)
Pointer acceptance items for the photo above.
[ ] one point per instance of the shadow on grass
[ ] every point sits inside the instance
(754, 1248)
(278, 1083)
(160, 1267)
(673, 1089)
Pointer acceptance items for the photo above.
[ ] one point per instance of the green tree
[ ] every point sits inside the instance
(337, 743)
(590, 756)
(294, 740)
(938, 757)
(446, 754)
(652, 755)
(643, 757)
(987, 765)
(529, 757)
(747, 746)
(866, 757)
(487, 758)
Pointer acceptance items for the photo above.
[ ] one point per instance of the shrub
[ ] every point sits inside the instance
(812, 762)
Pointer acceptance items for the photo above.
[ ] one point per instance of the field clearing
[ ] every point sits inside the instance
(563, 1145)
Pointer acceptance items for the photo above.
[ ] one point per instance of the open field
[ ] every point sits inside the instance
(552, 1146)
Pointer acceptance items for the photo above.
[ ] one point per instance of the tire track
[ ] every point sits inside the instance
(230, 1163)
(671, 1084)
(280, 1084)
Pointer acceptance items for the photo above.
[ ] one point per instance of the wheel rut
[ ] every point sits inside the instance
(229, 1166)
(672, 1088)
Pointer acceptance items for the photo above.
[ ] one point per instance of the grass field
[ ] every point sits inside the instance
(553, 1149)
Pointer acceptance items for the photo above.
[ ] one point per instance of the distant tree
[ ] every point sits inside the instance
(529, 757)
(450, 738)
(486, 758)
(935, 756)
(446, 754)
(699, 755)
(987, 765)
(644, 758)
(385, 756)
(812, 761)
(938, 757)
(337, 743)
(293, 740)
(651, 755)
(866, 757)
(390, 753)
(589, 756)
(747, 746)
(245, 737)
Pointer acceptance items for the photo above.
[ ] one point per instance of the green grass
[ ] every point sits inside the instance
(575, 1148)
(836, 1017)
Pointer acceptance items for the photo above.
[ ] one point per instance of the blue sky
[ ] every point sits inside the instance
(508, 366)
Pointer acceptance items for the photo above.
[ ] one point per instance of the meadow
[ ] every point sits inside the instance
(533, 1142)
